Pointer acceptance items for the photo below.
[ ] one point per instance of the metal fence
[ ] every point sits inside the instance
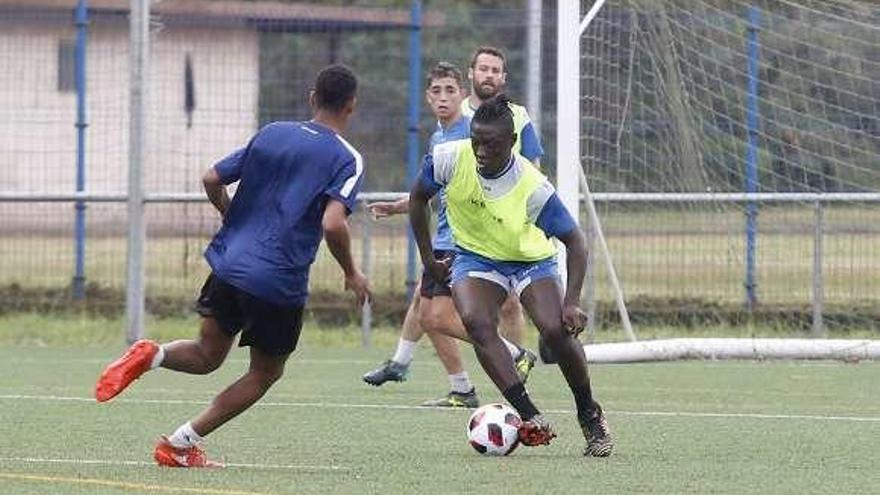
(216, 74)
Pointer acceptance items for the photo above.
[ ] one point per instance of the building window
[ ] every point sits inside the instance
(66, 66)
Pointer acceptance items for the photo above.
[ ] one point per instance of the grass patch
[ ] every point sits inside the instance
(52, 330)
(683, 428)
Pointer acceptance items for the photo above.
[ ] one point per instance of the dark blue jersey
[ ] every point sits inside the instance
(272, 230)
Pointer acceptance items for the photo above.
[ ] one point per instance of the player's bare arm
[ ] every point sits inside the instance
(383, 209)
(335, 225)
(215, 190)
(419, 217)
(573, 317)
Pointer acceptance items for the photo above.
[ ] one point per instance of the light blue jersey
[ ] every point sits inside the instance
(460, 129)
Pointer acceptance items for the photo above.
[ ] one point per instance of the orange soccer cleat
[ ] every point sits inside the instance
(168, 455)
(120, 373)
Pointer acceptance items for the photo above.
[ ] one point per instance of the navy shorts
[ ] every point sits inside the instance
(269, 327)
(430, 288)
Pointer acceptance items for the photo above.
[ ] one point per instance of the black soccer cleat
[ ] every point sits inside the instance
(389, 371)
(598, 434)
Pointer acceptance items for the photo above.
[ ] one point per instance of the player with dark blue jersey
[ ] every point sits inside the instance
(296, 184)
(270, 234)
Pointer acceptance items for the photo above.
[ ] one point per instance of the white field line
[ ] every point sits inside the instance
(282, 395)
(336, 405)
(238, 360)
(102, 462)
(431, 362)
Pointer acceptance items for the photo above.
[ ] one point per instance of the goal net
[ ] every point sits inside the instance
(687, 105)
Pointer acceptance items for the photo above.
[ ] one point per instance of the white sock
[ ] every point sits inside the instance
(511, 348)
(405, 351)
(185, 436)
(158, 358)
(461, 382)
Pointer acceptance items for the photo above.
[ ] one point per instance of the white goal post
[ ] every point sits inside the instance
(571, 27)
(568, 165)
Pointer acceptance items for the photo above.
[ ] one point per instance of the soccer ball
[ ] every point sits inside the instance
(493, 429)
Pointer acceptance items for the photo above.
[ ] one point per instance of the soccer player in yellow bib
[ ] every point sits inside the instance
(503, 212)
(488, 76)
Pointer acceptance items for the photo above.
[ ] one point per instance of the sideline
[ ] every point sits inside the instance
(124, 485)
(283, 467)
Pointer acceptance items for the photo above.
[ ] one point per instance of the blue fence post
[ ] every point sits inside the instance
(81, 21)
(752, 155)
(412, 147)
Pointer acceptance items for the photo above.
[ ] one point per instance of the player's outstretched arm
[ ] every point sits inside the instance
(335, 224)
(216, 190)
(382, 209)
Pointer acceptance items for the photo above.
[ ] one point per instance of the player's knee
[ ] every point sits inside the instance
(475, 319)
(273, 376)
(481, 337)
(427, 321)
(553, 335)
(267, 376)
(432, 321)
(480, 328)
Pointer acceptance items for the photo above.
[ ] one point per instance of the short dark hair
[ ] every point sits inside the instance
(335, 86)
(490, 50)
(444, 69)
(495, 111)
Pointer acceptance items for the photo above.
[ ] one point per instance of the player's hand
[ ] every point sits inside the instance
(439, 269)
(358, 283)
(573, 319)
(382, 209)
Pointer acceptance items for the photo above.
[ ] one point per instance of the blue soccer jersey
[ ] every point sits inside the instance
(272, 230)
(460, 129)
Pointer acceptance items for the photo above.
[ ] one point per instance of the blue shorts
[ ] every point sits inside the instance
(510, 275)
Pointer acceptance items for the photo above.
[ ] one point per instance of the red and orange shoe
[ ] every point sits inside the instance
(120, 373)
(168, 455)
(536, 431)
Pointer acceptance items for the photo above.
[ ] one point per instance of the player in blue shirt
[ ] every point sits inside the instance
(431, 309)
(296, 182)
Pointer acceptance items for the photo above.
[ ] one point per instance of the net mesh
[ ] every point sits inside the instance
(667, 88)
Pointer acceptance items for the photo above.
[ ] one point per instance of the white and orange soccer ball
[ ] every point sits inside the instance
(493, 429)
